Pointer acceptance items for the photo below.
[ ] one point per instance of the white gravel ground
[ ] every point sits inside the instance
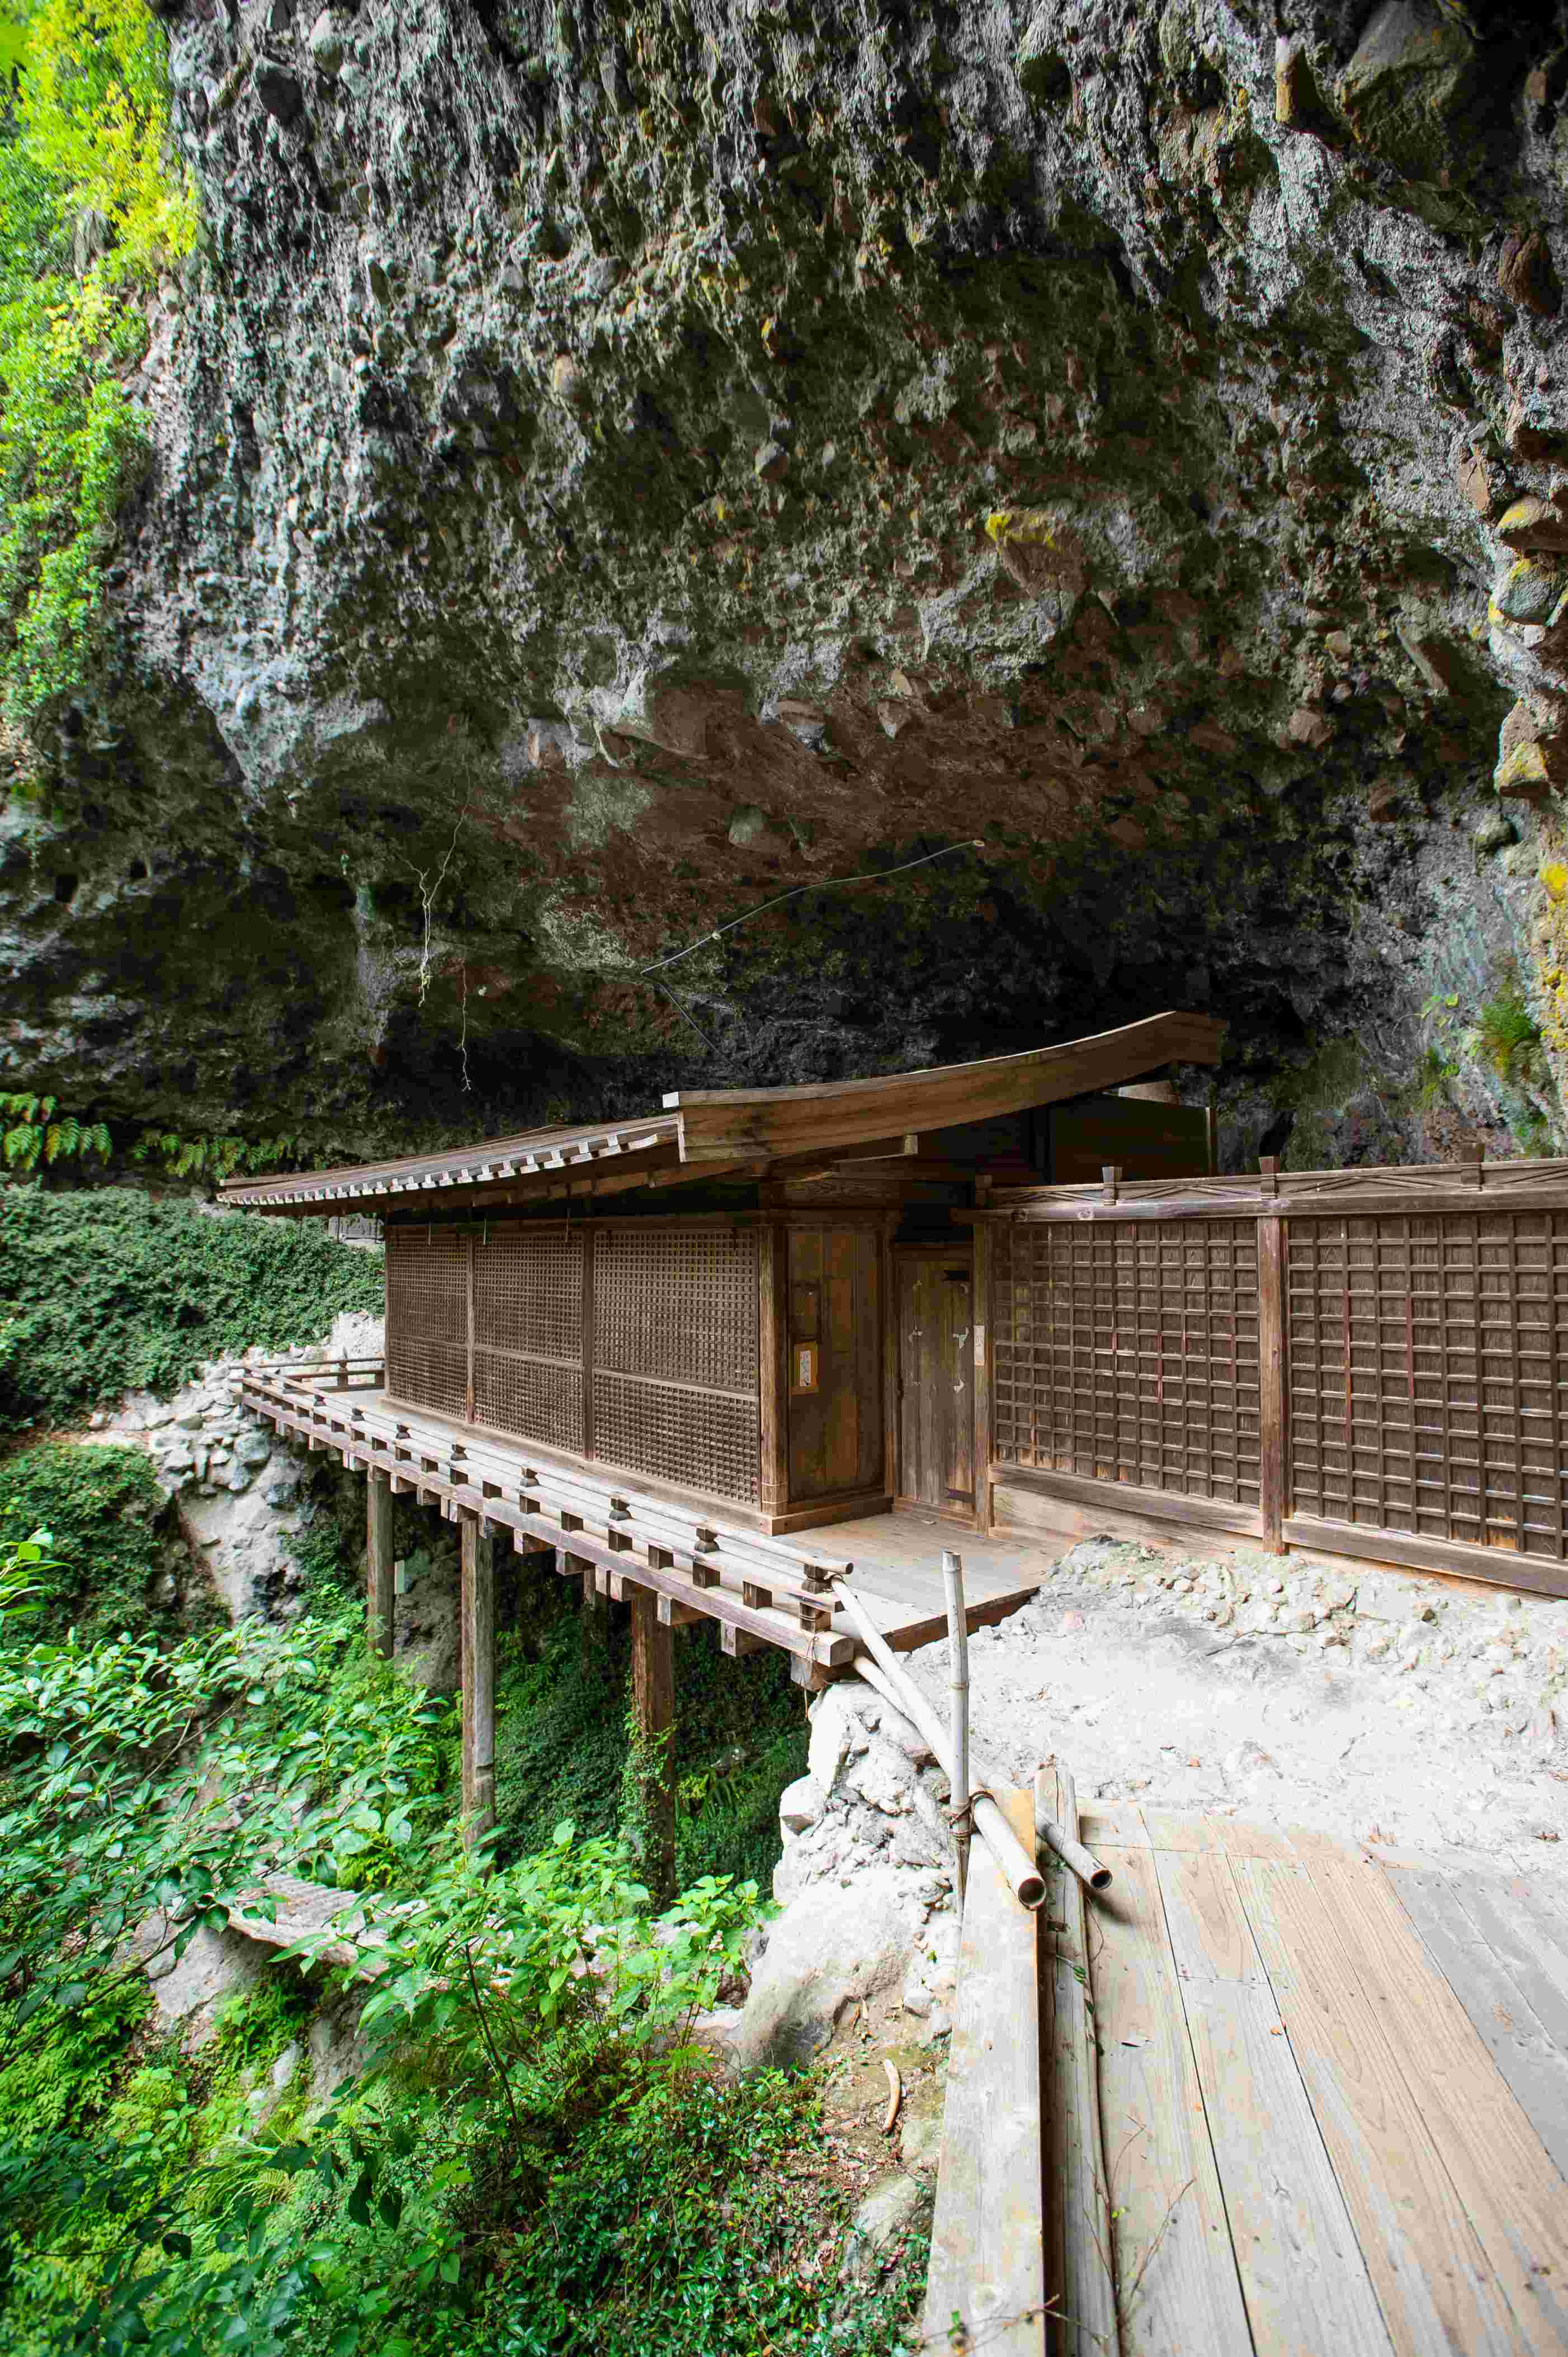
(1381, 1707)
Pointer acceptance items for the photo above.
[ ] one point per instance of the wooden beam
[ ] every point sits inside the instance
(1078, 2227)
(988, 2261)
(378, 1580)
(720, 1124)
(478, 1674)
(653, 1708)
(1274, 1440)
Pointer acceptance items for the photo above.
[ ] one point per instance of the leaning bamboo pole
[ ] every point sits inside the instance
(885, 1673)
(958, 1687)
(1071, 1851)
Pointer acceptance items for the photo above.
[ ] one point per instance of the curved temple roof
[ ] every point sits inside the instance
(717, 1130)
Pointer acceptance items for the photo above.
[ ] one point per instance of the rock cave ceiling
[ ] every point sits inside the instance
(613, 467)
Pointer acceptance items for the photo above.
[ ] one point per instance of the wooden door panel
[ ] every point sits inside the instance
(936, 1371)
(836, 1438)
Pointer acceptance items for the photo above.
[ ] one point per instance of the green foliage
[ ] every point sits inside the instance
(1507, 1038)
(62, 2077)
(102, 1507)
(533, 2164)
(1433, 1074)
(34, 1134)
(212, 1158)
(694, 2227)
(108, 1291)
(91, 206)
(563, 1691)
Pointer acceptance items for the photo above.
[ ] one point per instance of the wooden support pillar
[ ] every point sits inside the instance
(1272, 1397)
(653, 1707)
(773, 1363)
(981, 1314)
(479, 1674)
(379, 1583)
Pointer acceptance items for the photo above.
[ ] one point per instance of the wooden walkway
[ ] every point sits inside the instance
(626, 1536)
(1306, 2103)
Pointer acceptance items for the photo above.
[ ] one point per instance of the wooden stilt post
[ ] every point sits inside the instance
(479, 1628)
(379, 1584)
(653, 1705)
(958, 1685)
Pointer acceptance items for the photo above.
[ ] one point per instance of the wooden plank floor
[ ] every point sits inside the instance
(1333, 2096)
(898, 1560)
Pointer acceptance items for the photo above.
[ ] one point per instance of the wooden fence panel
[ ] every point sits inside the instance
(1128, 1352)
(1424, 1356)
(1397, 1338)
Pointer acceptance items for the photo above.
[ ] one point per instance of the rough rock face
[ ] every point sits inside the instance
(243, 1496)
(614, 466)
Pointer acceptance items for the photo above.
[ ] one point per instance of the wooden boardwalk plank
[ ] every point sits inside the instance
(987, 2245)
(1077, 2207)
(1126, 1826)
(1431, 2273)
(1175, 2270)
(1305, 2283)
(1511, 2191)
(1119, 1822)
(1528, 1941)
(1507, 2024)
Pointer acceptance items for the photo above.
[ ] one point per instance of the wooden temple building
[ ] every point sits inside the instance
(670, 1348)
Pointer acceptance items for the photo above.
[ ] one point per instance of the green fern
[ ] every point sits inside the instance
(1507, 1038)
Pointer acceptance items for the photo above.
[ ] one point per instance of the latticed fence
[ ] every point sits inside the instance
(633, 1343)
(1364, 1362)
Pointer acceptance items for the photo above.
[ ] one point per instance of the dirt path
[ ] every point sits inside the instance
(1373, 1705)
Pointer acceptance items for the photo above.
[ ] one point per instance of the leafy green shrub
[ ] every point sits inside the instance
(532, 2163)
(92, 205)
(694, 2227)
(109, 1291)
(102, 1508)
(562, 1693)
(1507, 1038)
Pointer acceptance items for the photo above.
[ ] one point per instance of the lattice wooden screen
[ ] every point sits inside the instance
(669, 1386)
(1127, 1351)
(528, 1334)
(675, 1367)
(1450, 1329)
(427, 1318)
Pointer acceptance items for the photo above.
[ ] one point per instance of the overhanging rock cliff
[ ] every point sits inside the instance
(613, 465)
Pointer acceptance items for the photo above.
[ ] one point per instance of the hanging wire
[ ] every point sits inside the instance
(828, 883)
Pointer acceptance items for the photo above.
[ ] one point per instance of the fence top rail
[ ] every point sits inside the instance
(1414, 1188)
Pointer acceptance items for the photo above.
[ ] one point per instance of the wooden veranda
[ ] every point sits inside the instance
(674, 1565)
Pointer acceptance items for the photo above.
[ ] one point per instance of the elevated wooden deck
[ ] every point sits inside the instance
(1330, 2092)
(627, 1536)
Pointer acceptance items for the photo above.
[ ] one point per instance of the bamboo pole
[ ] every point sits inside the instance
(958, 1687)
(885, 1673)
(1068, 1848)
